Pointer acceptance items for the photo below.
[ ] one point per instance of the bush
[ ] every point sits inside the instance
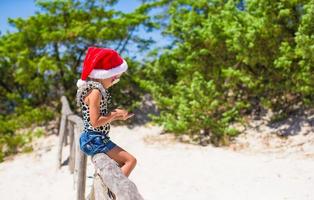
(11, 141)
(227, 59)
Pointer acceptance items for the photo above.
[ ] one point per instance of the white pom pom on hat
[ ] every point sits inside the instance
(80, 83)
(101, 63)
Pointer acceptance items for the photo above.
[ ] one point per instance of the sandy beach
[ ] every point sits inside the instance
(166, 169)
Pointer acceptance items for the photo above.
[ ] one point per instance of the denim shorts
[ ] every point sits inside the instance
(93, 142)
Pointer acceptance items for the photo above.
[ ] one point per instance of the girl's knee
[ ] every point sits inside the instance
(132, 161)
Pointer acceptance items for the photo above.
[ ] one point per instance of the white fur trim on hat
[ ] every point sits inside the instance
(102, 73)
(80, 83)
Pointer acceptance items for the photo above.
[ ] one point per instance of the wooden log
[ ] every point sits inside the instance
(81, 176)
(91, 195)
(66, 140)
(76, 166)
(72, 147)
(61, 139)
(99, 190)
(113, 177)
(80, 160)
(65, 106)
(65, 111)
(77, 129)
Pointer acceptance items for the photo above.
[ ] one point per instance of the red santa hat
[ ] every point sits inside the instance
(101, 63)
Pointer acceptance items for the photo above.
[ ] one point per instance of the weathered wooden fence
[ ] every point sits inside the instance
(107, 171)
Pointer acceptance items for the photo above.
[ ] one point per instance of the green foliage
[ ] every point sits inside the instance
(225, 61)
(12, 142)
(42, 59)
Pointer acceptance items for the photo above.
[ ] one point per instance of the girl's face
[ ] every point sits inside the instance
(108, 82)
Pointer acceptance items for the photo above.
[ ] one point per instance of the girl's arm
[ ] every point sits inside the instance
(94, 107)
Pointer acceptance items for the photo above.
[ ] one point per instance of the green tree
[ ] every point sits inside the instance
(229, 58)
(42, 59)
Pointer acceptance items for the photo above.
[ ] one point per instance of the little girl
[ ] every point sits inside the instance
(102, 68)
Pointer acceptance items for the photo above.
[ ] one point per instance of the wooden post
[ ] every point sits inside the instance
(72, 147)
(61, 139)
(65, 111)
(80, 159)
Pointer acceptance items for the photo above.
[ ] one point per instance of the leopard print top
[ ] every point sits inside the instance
(105, 100)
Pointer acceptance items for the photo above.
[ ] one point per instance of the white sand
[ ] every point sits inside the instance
(166, 170)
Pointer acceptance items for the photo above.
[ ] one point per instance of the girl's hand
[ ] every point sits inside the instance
(126, 117)
(120, 112)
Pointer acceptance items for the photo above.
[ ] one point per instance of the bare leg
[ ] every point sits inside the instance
(125, 160)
